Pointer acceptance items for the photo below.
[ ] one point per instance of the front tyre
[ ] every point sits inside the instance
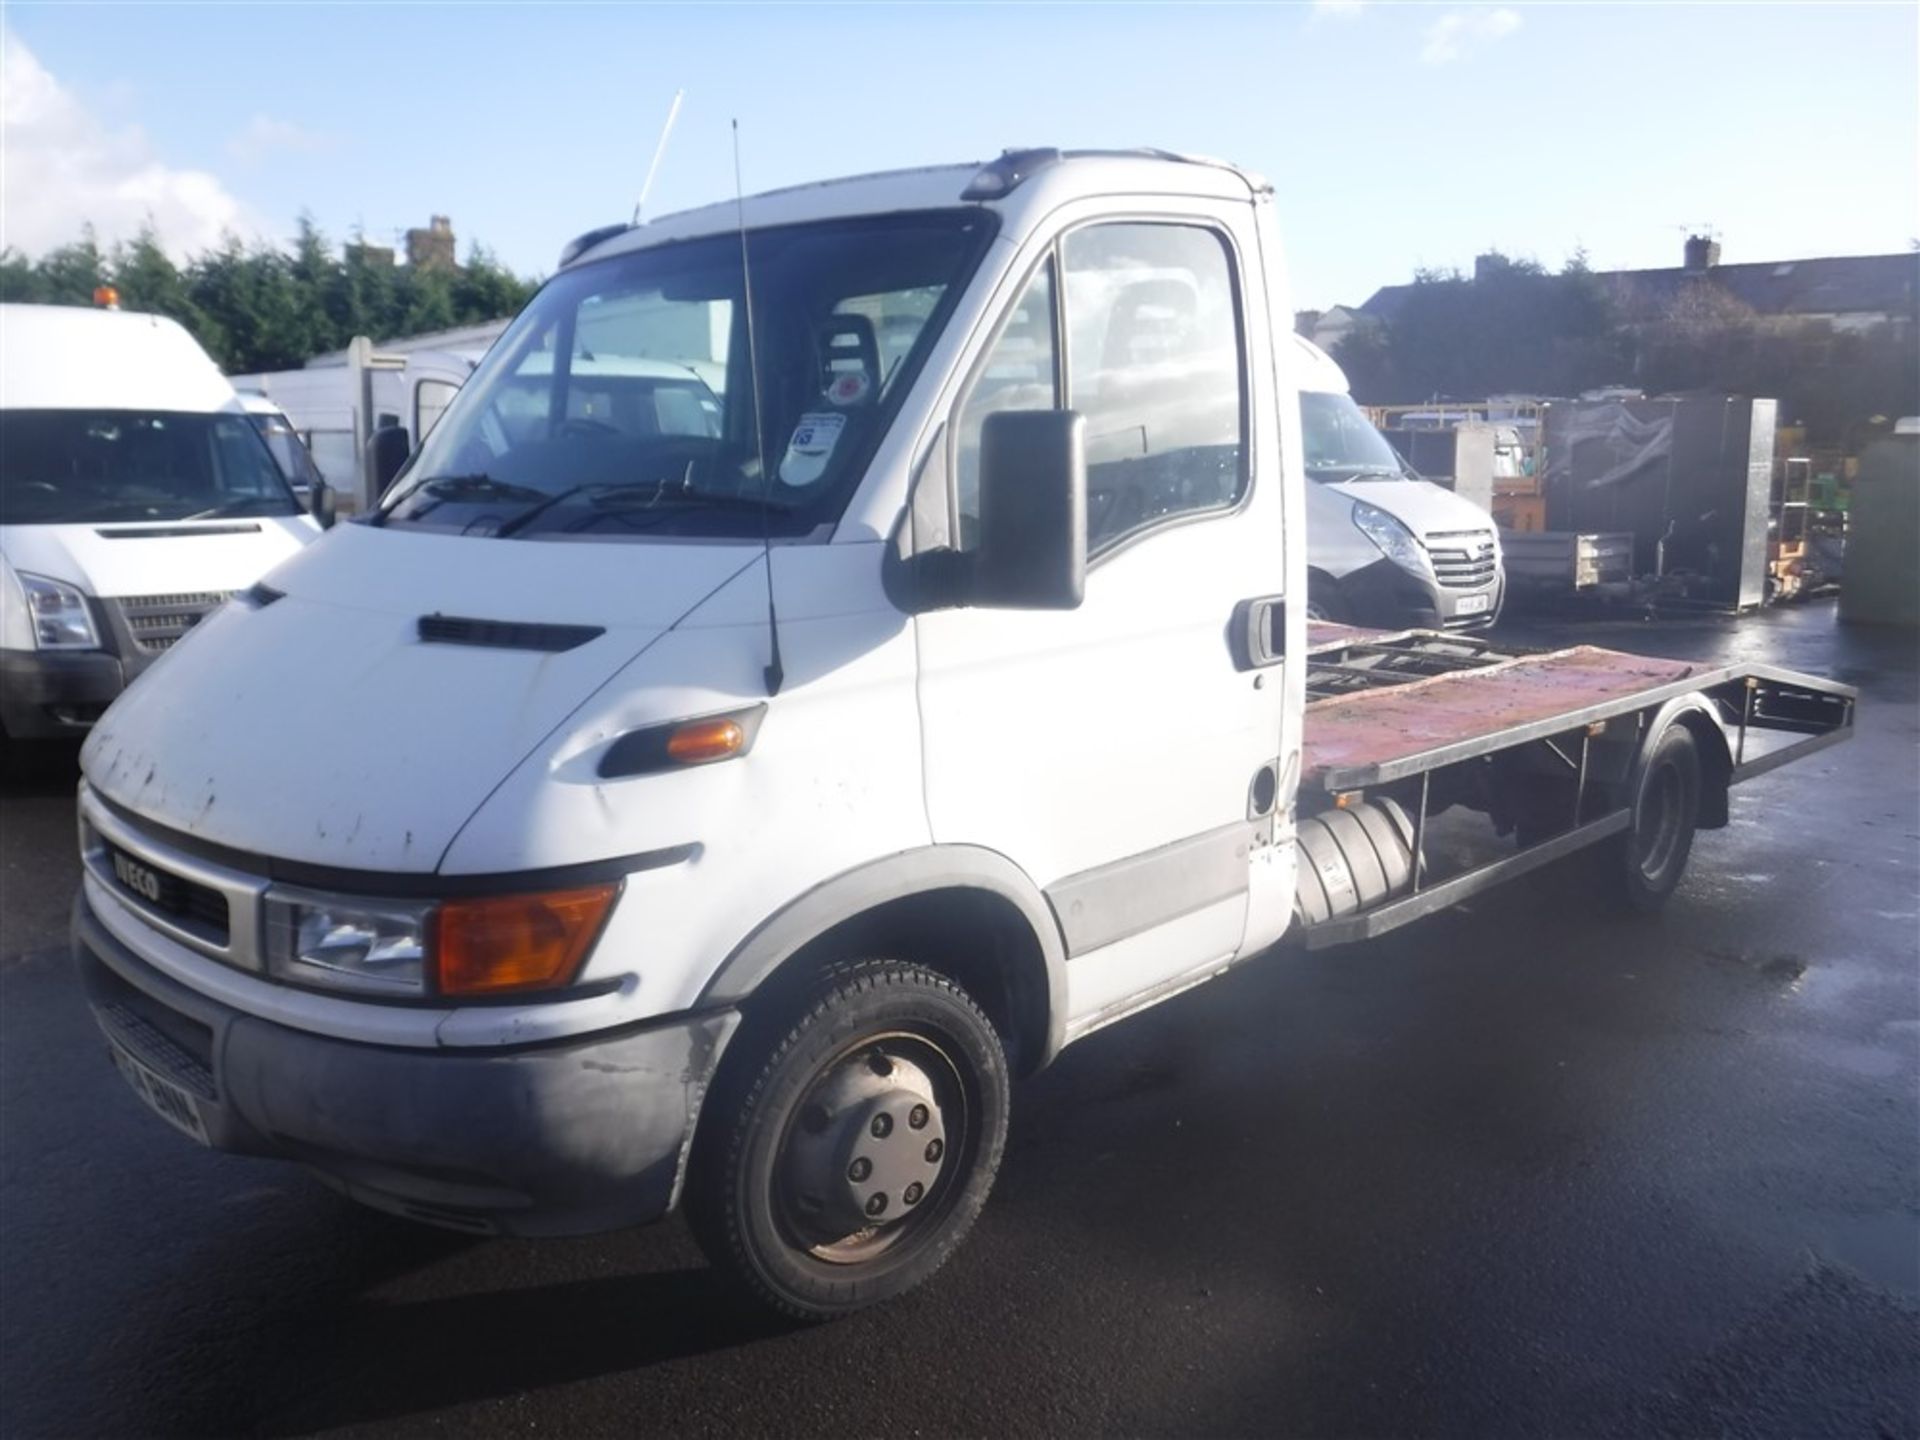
(841, 1162)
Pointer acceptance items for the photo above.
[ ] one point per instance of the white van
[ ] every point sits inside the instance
(1384, 547)
(786, 734)
(135, 497)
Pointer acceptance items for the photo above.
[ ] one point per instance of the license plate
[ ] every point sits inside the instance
(162, 1096)
(1473, 604)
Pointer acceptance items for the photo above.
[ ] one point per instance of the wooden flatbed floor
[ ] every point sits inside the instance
(1389, 704)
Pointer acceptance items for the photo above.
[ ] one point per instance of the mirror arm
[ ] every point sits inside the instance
(939, 579)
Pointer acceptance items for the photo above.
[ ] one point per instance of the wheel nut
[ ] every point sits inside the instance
(860, 1169)
(934, 1151)
(917, 1117)
(882, 1126)
(876, 1205)
(913, 1193)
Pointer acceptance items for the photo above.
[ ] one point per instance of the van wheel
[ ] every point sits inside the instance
(1325, 606)
(1651, 855)
(851, 1155)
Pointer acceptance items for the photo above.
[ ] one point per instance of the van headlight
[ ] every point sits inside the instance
(341, 944)
(59, 612)
(1395, 541)
(489, 945)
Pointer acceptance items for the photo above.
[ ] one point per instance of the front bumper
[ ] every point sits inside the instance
(55, 694)
(1385, 597)
(557, 1139)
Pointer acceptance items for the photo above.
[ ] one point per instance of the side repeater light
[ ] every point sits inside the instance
(680, 744)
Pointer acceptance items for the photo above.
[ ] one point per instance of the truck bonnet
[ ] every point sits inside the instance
(363, 702)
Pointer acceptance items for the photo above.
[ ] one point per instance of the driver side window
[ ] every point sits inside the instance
(1154, 361)
(1021, 373)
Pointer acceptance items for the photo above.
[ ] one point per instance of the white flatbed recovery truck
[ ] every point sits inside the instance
(835, 652)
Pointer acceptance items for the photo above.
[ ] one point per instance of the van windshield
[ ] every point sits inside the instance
(82, 467)
(1340, 442)
(620, 404)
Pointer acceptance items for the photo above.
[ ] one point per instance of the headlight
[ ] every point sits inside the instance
(349, 944)
(495, 945)
(61, 619)
(1395, 540)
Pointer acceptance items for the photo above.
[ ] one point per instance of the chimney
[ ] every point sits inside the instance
(433, 246)
(1702, 254)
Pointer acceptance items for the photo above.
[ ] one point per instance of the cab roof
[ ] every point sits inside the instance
(69, 357)
(1022, 185)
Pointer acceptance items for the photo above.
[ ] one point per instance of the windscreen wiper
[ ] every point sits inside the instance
(239, 506)
(444, 488)
(655, 492)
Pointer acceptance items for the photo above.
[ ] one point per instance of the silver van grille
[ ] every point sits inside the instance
(157, 621)
(1464, 559)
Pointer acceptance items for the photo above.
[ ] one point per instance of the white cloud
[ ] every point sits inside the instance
(62, 168)
(1337, 9)
(264, 135)
(1460, 31)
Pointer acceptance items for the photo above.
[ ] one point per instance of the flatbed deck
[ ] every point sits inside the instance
(1393, 706)
(1383, 706)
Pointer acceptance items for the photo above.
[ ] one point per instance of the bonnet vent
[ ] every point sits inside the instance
(505, 634)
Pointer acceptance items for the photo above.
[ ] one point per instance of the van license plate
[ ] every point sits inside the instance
(162, 1096)
(1473, 604)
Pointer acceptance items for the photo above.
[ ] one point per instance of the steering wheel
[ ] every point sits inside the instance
(46, 485)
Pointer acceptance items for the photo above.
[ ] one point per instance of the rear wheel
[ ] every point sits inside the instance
(1651, 856)
(849, 1155)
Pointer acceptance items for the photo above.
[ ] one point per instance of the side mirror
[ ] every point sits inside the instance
(1032, 553)
(321, 504)
(386, 452)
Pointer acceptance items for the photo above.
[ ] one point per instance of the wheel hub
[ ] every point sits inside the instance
(867, 1146)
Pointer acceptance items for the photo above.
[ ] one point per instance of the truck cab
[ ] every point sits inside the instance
(135, 497)
(1385, 547)
(840, 648)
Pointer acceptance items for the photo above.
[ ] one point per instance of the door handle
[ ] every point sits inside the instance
(1258, 632)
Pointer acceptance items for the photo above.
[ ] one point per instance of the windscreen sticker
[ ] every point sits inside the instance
(849, 388)
(811, 447)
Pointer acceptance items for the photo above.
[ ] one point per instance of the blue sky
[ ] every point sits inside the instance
(1396, 135)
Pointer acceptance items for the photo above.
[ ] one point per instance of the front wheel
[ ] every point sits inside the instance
(849, 1156)
(1652, 855)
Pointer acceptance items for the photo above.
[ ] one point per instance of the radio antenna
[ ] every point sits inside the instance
(775, 672)
(673, 114)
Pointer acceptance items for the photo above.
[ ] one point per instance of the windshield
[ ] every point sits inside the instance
(1341, 442)
(621, 403)
(73, 467)
(289, 451)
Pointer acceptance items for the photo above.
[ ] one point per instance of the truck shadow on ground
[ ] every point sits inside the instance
(381, 1362)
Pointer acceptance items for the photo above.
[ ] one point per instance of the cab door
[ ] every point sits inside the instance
(1124, 753)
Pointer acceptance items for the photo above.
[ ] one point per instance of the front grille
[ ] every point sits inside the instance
(156, 622)
(1464, 559)
(200, 908)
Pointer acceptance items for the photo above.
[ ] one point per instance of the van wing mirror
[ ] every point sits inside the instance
(321, 504)
(387, 451)
(1032, 552)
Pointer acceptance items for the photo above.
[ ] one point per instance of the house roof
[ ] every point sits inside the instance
(1833, 285)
